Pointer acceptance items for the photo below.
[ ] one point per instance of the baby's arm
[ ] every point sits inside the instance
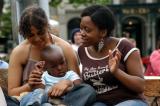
(62, 87)
(66, 85)
(74, 80)
(73, 83)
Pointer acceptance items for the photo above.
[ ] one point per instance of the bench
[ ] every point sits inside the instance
(152, 90)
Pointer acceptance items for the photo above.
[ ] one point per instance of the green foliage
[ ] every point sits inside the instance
(55, 3)
(5, 23)
(77, 3)
(5, 58)
(88, 2)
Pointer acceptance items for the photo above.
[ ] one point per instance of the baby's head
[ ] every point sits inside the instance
(55, 62)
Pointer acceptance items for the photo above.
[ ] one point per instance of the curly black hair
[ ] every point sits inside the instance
(102, 17)
(33, 16)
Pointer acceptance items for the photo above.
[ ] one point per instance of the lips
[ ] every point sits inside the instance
(60, 74)
(84, 40)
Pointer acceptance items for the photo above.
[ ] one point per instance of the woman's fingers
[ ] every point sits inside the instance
(35, 75)
(110, 54)
(118, 54)
(35, 78)
(34, 81)
(114, 58)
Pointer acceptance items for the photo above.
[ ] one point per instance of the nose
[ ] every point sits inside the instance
(59, 67)
(82, 32)
(37, 39)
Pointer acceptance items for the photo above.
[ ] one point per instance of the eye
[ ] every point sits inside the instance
(54, 66)
(62, 62)
(87, 30)
(30, 35)
(39, 33)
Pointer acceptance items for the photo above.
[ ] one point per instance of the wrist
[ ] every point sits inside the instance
(70, 86)
(29, 87)
(114, 72)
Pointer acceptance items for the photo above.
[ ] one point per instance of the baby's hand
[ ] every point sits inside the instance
(40, 65)
(59, 89)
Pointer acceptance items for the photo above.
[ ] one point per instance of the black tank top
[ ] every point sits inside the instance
(28, 67)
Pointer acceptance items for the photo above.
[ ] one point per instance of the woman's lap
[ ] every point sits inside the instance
(132, 103)
(125, 103)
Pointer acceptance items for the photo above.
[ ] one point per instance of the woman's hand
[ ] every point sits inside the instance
(60, 88)
(35, 75)
(114, 59)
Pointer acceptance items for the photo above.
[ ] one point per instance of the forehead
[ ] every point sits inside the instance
(86, 21)
(33, 29)
(56, 53)
(55, 58)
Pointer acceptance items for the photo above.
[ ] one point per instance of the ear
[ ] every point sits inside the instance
(103, 33)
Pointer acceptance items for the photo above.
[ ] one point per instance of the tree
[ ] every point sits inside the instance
(76, 3)
(1, 6)
(5, 23)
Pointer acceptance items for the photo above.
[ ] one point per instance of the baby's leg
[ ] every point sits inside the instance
(32, 98)
(56, 101)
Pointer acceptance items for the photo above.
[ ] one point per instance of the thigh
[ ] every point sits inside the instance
(47, 104)
(32, 97)
(78, 96)
(134, 102)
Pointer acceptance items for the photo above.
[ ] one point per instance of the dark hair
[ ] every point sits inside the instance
(101, 16)
(75, 30)
(33, 16)
(48, 50)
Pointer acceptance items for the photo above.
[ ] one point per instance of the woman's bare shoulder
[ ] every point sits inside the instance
(67, 48)
(61, 42)
(20, 48)
(20, 51)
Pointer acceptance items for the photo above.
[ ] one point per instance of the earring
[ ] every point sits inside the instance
(100, 45)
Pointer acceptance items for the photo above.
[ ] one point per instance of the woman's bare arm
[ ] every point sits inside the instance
(133, 79)
(15, 73)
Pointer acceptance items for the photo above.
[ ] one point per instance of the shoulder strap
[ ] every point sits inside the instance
(29, 52)
(51, 38)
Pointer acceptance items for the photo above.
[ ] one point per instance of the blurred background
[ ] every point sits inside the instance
(136, 19)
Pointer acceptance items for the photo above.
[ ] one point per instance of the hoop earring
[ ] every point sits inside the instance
(100, 45)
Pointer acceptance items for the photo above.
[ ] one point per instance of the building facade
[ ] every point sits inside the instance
(139, 18)
(141, 22)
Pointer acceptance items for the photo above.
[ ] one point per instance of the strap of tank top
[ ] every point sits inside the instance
(51, 38)
(29, 52)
